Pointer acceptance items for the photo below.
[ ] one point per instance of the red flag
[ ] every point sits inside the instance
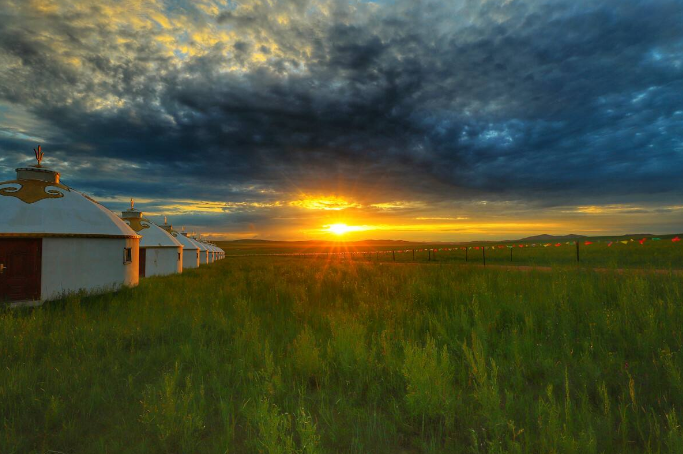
(676, 240)
(521, 245)
(558, 244)
(642, 241)
(587, 243)
(610, 243)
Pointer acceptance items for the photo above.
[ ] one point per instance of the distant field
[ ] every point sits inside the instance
(661, 253)
(285, 355)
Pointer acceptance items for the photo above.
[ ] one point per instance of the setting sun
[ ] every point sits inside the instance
(339, 229)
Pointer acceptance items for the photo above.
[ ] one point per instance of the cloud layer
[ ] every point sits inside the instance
(533, 106)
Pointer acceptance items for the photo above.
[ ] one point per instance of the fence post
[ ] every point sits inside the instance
(577, 251)
(467, 248)
(413, 255)
(393, 255)
(511, 253)
(483, 254)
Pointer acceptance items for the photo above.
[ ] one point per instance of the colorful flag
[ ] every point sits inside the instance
(587, 243)
(625, 242)
(610, 243)
(642, 241)
(676, 240)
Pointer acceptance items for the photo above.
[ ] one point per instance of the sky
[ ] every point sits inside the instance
(429, 120)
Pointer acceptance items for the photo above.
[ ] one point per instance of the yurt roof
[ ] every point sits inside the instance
(36, 204)
(185, 241)
(152, 234)
(199, 243)
(200, 246)
(182, 239)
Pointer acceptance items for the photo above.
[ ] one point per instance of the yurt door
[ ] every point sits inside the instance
(143, 261)
(20, 261)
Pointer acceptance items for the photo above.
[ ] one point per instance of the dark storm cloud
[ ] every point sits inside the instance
(548, 102)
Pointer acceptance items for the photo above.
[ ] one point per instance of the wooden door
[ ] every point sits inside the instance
(143, 261)
(20, 262)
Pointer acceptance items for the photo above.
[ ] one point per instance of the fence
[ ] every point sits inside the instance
(631, 251)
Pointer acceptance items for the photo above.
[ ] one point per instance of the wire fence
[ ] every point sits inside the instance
(643, 251)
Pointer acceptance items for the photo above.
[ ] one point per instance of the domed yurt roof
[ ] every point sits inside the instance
(152, 234)
(37, 204)
(187, 243)
(199, 243)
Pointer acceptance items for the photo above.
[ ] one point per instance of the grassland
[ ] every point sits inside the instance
(653, 254)
(285, 355)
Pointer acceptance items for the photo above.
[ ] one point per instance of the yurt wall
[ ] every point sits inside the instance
(71, 264)
(163, 260)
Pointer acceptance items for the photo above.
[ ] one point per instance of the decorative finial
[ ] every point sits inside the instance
(39, 155)
(132, 204)
(183, 229)
(165, 221)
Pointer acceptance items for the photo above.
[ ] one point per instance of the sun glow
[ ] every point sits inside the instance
(340, 229)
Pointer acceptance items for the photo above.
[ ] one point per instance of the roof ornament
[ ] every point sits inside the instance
(165, 221)
(132, 204)
(39, 155)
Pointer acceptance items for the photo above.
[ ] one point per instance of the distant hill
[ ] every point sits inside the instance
(247, 241)
(256, 243)
(546, 237)
(265, 242)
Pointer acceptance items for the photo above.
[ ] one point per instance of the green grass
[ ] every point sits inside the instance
(660, 254)
(284, 355)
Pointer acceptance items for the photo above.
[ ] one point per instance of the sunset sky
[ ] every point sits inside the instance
(419, 120)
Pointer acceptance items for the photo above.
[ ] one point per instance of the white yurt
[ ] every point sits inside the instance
(209, 253)
(190, 248)
(55, 240)
(203, 250)
(160, 253)
(212, 252)
(216, 251)
(203, 253)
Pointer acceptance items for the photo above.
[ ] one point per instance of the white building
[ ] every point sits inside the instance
(160, 253)
(55, 240)
(209, 251)
(203, 253)
(212, 252)
(216, 251)
(203, 250)
(190, 248)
